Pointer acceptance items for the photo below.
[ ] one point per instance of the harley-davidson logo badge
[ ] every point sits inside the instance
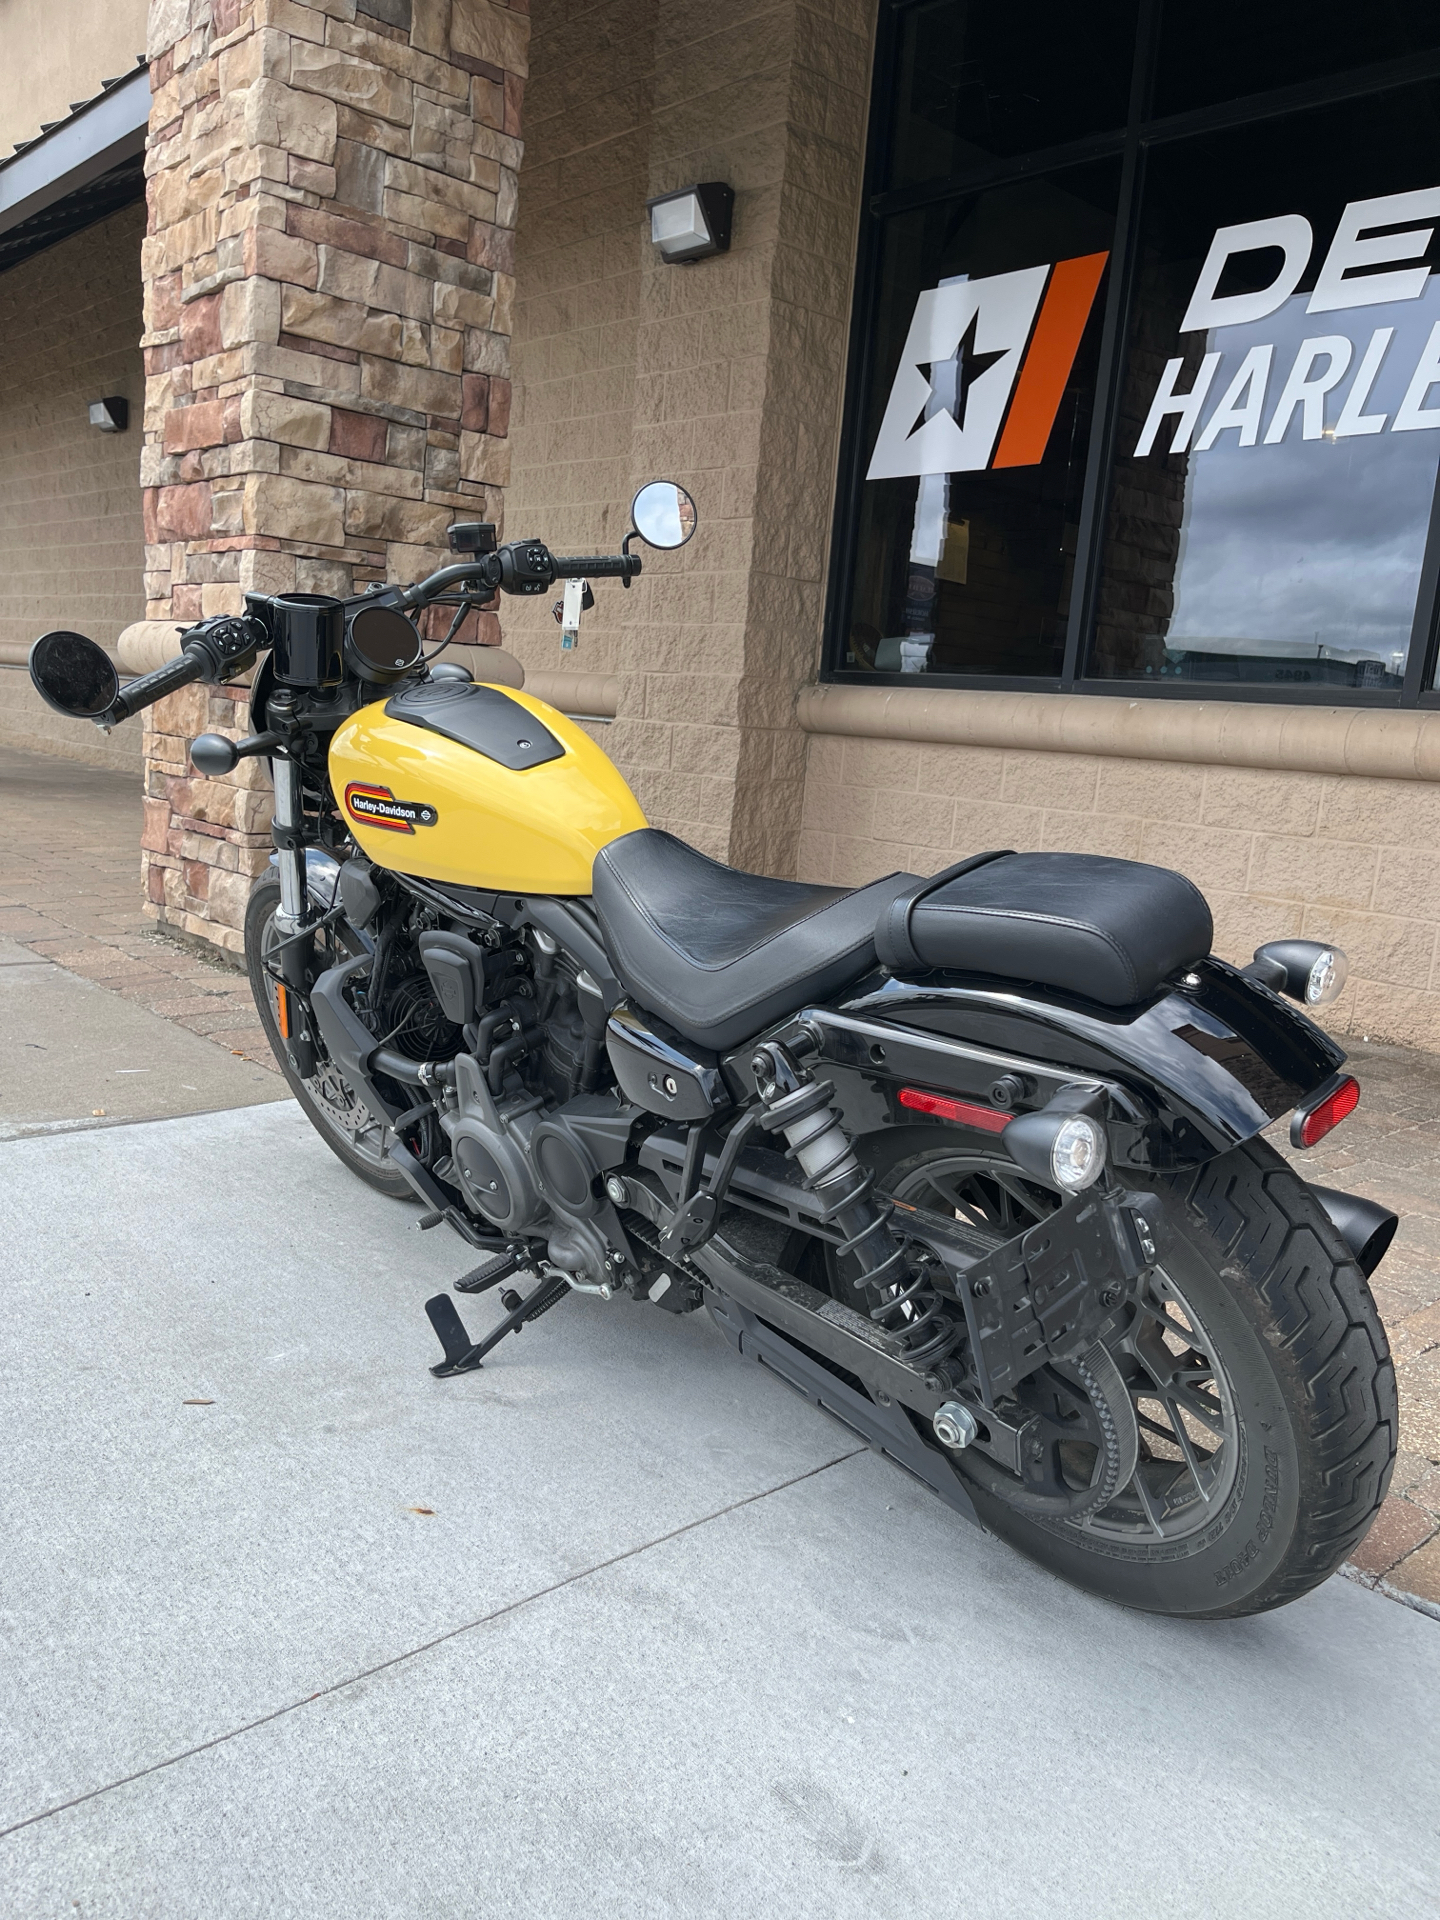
(378, 807)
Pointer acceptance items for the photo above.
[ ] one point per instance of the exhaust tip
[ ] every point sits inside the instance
(1366, 1228)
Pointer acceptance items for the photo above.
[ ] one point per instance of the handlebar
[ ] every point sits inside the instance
(473, 572)
(520, 567)
(180, 672)
(597, 566)
(216, 648)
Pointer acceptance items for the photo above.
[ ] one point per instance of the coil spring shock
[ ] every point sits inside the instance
(803, 1109)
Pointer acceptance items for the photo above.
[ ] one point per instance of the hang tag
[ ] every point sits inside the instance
(571, 608)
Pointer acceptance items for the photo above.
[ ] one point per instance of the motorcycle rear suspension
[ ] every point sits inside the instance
(802, 1108)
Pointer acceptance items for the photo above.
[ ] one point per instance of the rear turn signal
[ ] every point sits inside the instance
(1323, 1113)
(964, 1112)
(1065, 1150)
(1306, 970)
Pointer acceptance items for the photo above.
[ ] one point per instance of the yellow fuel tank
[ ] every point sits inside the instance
(481, 786)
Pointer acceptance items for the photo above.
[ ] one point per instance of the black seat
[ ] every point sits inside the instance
(1111, 930)
(721, 954)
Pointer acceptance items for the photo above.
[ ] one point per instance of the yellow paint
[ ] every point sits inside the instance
(536, 831)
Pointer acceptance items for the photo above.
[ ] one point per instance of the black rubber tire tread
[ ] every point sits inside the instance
(1300, 1310)
(1327, 1342)
(257, 913)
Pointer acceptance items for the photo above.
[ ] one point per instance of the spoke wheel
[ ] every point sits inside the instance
(338, 1114)
(1256, 1365)
(1183, 1402)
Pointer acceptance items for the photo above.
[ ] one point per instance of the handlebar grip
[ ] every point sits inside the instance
(177, 673)
(596, 566)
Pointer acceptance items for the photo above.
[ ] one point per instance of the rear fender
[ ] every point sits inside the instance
(1187, 1074)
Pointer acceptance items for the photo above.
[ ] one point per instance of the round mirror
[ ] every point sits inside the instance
(663, 514)
(73, 675)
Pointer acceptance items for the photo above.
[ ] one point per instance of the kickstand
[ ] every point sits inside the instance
(463, 1356)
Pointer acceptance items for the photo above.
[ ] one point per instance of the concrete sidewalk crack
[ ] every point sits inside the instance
(428, 1646)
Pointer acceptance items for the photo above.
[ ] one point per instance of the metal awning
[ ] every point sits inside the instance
(77, 170)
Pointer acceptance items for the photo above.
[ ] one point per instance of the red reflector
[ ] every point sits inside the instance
(988, 1119)
(1315, 1122)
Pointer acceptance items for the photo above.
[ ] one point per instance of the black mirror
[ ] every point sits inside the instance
(663, 514)
(73, 675)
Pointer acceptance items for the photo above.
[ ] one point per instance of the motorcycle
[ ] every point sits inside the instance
(972, 1160)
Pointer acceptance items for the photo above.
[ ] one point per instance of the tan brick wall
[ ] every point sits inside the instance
(1337, 858)
(25, 721)
(71, 544)
(726, 376)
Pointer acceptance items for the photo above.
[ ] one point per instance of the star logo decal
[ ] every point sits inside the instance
(956, 375)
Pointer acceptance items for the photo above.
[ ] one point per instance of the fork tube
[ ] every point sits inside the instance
(290, 859)
(288, 818)
(294, 913)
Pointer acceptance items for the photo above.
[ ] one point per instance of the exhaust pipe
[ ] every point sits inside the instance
(1367, 1229)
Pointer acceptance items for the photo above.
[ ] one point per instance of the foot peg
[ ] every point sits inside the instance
(462, 1355)
(489, 1275)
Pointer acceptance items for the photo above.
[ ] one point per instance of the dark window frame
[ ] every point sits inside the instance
(1132, 143)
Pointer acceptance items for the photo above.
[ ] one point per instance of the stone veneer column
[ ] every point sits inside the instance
(328, 286)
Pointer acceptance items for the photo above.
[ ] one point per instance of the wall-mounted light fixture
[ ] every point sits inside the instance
(693, 222)
(112, 415)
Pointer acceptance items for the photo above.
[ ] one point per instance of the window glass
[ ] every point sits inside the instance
(975, 425)
(1277, 437)
(974, 81)
(1229, 48)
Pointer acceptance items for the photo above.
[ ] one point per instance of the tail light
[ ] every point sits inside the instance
(964, 1112)
(1324, 1111)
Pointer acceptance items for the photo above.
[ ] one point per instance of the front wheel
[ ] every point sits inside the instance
(337, 1113)
(1260, 1376)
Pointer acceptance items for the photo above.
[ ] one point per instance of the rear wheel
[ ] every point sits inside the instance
(1259, 1373)
(338, 1114)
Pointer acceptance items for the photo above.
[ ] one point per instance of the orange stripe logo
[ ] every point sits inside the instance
(378, 807)
(983, 355)
(1053, 346)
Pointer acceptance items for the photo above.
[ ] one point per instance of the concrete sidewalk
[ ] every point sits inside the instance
(615, 1626)
(73, 1055)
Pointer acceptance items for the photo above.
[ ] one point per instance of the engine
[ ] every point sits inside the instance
(514, 1030)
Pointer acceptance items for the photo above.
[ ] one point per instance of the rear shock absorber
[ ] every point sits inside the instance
(803, 1109)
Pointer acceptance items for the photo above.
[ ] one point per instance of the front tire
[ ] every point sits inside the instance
(337, 1113)
(1269, 1334)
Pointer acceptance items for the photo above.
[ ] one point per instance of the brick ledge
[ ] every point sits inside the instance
(1379, 744)
(595, 695)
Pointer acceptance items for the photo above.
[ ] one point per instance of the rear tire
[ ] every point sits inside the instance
(1302, 1388)
(1309, 1365)
(327, 1099)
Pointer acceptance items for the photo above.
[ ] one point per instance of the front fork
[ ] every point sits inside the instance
(294, 951)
